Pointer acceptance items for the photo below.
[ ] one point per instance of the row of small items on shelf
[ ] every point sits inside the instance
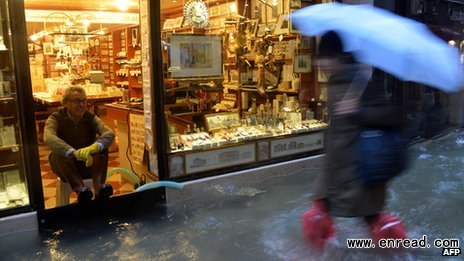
(203, 140)
(126, 72)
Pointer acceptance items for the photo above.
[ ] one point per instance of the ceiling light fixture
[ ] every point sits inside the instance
(77, 25)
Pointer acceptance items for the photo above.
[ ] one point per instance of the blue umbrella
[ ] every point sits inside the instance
(400, 46)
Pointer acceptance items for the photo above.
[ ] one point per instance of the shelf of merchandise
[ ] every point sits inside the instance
(123, 52)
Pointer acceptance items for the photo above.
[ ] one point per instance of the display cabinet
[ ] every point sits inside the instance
(101, 56)
(252, 111)
(13, 182)
(128, 60)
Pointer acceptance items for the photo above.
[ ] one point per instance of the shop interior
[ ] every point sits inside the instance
(93, 44)
(236, 72)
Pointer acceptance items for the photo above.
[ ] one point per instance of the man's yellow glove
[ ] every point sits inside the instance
(86, 153)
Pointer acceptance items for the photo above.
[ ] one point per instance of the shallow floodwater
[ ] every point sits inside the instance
(262, 221)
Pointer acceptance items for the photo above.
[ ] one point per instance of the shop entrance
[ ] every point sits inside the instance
(95, 45)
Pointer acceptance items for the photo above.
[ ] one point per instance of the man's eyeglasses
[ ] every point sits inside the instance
(78, 101)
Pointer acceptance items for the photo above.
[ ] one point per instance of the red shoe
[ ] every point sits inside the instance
(317, 225)
(385, 226)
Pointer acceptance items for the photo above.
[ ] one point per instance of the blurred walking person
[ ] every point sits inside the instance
(338, 190)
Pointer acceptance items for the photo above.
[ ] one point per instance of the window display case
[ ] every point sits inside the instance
(236, 91)
(13, 182)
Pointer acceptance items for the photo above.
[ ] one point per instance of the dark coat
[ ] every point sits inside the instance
(346, 195)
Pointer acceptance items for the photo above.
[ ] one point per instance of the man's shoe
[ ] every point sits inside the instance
(85, 195)
(105, 192)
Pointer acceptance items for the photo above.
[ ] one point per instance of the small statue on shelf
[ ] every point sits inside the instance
(253, 107)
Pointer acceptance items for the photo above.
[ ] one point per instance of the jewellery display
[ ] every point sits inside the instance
(204, 140)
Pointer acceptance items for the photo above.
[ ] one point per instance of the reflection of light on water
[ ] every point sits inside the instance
(127, 238)
(441, 157)
(210, 223)
(282, 239)
(447, 187)
(425, 156)
(460, 140)
(54, 249)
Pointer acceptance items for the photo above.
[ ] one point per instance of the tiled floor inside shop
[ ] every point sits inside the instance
(49, 179)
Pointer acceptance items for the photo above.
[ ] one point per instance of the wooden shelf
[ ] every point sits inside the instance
(288, 91)
(9, 147)
(122, 42)
(6, 99)
(8, 167)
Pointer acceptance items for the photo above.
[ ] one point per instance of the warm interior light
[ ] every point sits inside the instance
(233, 8)
(86, 23)
(101, 31)
(82, 19)
(39, 35)
(69, 22)
(123, 5)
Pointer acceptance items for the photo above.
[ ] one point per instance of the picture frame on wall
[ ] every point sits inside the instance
(270, 13)
(30, 47)
(252, 27)
(292, 26)
(251, 119)
(322, 76)
(195, 56)
(294, 3)
(219, 121)
(304, 43)
(302, 63)
(282, 25)
(178, 22)
(263, 150)
(48, 48)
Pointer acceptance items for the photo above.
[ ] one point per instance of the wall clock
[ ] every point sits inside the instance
(196, 14)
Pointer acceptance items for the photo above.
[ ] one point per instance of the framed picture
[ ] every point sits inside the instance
(253, 27)
(322, 76)
(219, 121)
(295, 4)
(304, 43)
(168, 24)
(281, 48)
(30, 47)
(178, 22)
(302, 63)
(176, 166)
(263, 150)
(282, 25)
(214, 11)
(293, 28)
(135, 36)
(75, 34)
(195, 56)
(270, 12)
(48, 48)
(223, 9)
(251, 119)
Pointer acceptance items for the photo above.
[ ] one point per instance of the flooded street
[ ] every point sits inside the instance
(262, 221)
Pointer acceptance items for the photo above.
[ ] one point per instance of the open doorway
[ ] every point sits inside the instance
(92, 44)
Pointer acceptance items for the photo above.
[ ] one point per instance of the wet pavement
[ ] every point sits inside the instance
(262, 221)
